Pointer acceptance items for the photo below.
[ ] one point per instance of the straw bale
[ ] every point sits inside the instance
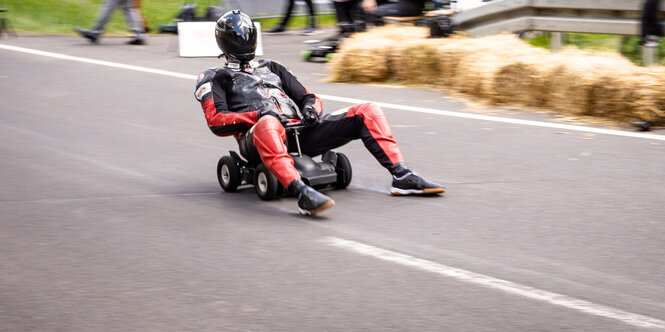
(484, 62)
(648, 97)
(366, 57)
(581, 80)
(417, 62)
(505, 70)
(525, 81)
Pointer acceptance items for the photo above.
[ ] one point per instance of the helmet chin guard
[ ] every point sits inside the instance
(236, 36)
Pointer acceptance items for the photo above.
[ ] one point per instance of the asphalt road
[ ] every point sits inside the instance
(111, 218)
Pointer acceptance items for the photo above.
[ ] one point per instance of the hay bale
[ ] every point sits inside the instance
(366, 57)
(579, 82)
(525, 81)
(417, 62)
(648, 97)
(505, 70)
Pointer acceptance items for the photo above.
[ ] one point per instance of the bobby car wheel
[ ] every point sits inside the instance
(343, 170)
(265, 183)
(228, 174)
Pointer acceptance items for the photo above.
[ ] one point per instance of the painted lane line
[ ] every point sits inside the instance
(497, 118)
(358, 101)
(97, 62)
(494, 283)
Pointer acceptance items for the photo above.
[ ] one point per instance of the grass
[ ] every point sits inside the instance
(628, 46)
(59, 16)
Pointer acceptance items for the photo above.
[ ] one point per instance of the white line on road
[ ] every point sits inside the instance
(357, 101)
(494, 283)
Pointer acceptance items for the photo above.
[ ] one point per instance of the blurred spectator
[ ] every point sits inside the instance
(651, 29)
(374, 10)
(131, 12)
(287, 16)
(137, 5)
(346, 10)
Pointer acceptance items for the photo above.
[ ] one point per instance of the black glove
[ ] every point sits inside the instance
(270, 112)
(309, 116)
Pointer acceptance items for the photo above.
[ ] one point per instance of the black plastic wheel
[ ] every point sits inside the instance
(343, 170)
(265, 183)
(228, 174)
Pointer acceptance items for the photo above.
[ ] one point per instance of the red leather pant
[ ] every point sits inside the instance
(268, 141)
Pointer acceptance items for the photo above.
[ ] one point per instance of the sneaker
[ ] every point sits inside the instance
(136, 41)
(310, 31)
(89, 34)
(278, 29)
(413, 183)
(310, 201)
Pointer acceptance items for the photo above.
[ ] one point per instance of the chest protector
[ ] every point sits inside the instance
(258, 88)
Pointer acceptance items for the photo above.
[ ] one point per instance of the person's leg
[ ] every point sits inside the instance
(104, 15)
(266, 139)
(365, 121)
(287, 14)
(137, 6)
(342, 12)
(368, 123)
(650, 25)
(134, 20)
(312, 14)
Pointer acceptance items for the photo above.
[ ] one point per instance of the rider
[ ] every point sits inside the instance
(253, 100)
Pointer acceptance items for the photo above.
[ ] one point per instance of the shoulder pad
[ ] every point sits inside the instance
(205, 76)
(204, 85)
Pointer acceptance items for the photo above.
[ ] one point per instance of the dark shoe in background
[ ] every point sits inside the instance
(278, 29)
(137, 41)
(88, 34)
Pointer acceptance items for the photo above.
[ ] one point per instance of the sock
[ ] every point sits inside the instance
(399, 169)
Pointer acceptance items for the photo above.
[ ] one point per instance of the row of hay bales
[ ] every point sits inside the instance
(505, 70)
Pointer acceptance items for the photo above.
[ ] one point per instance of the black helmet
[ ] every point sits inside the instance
(236, 36)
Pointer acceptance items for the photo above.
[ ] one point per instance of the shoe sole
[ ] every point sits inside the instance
(317, 210)
(406, 192)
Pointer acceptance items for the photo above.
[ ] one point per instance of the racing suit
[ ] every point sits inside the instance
(235, 101)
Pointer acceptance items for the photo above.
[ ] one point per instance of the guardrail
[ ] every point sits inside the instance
(615, 17)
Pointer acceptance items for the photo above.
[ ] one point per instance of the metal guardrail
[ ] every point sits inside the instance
(614, 17)
(620, 17)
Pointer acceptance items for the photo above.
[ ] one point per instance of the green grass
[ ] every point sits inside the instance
(59, 16)
(628, 46)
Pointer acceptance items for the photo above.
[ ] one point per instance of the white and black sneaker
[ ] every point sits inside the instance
(412, 183)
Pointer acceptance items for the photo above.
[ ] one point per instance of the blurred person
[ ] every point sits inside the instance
(132, 14)
(137, 6)
(287, 16)
(651, 29)
(253, 100)
(374, 10)
(346, 10)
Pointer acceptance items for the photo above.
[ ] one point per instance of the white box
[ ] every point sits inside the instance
(197, 39)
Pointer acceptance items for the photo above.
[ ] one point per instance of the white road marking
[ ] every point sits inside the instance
(494, 283)
(97, 62)
(358, 101)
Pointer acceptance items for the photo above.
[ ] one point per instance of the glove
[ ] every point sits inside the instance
(309, 116)
(270, 112)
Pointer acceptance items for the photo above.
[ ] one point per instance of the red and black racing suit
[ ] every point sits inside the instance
(232, 98)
